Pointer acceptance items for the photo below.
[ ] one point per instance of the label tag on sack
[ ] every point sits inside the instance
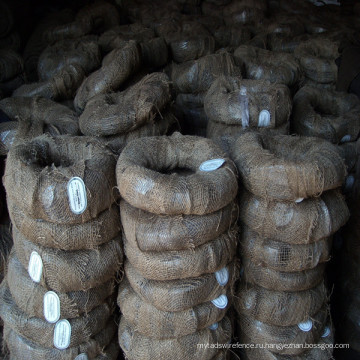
(82, 356)
(264, 118)
(221, 302)
(222, 276)
(51, 307)
(211, 165)
(327, 332)
(345, 139)
(35, 267)
(306, 325)
(299, 200)
(62, 334)
(77, 195)
(214, 326)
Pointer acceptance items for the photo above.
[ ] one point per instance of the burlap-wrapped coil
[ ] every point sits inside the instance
(295, 223)
(118, 35)
(136, 346)
(142, 182)
(60, 87)
(331, 115)
(118, 113)
(84, 52)
(172, 265)
(162, 124)
(262, 333)
(7, 134)
(280, 280)
(323, 350)
(39, 175)
(349, 152)
(42, 332)
(285, 44)
(97, 16)
(65, 271)
(116, 68)
(282, 256)
(89, 235)
(196, 76)
(154, 233)
(157, 324)
(317, 59)
(278, 307)
(11, 64)
(287, 167)
(233, 101)
(289, 26)
(178, 295)
(29, 296)
(225, 135)
(232, 36)
(244, 12)
(37, 116)
(22, 348)
(261, 64)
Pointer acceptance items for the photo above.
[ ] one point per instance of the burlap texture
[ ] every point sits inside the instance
(41, 332)
(118, 113)
(29, 296)
(38, 171)
(261, 333)
(295, 223)
(65, 271)
(62, 86)
(331, 115)
(154, 53)
(154, 233)
(89, 235)
(244, 12)
(225, 135)
(11, 64)
(7, 134)
(196, 76)
(289, 26)
(233, 101)
(282, 256)
(22, 348)
(83, 51)
(156, 324)
(95, 17)
(6, 19)
(6, 243)
(143, 183)
(162, 124)
(349, 152)
(119, 35)
(172, 265)
(285, 44)
(278, 307)
(324, 351)
(261, 64)
(317, 59)
(136, 346)
(37, 116)
(232, 36)
(179, 295)
(280, 280)
(287, 167)
(116, 68)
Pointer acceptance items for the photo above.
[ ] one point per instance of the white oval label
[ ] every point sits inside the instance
(214, 326)
(82, 356)
(222, 276)
(264, 118)
(221, 302)
(35, 267)
(51, 307)
(299, 200)
(77, 195)
(327, 332)
(306, 325)
(345, 138)
(62, 334)
(211, 165)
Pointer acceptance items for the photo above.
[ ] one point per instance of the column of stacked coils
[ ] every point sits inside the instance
(178, 215)
(289, 210)
(58, 296)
